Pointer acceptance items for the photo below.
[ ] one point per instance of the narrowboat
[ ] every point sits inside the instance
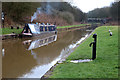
(38, 29)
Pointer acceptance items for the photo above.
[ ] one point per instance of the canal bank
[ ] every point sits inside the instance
(14, 33)
(72, 28)
(106, 64)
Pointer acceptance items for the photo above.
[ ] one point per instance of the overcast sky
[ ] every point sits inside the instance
(87, 5)
(84, 5)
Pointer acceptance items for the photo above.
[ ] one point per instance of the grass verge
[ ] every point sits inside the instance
(71, 26)
(104, 66)
(9, 31)
(17, 31)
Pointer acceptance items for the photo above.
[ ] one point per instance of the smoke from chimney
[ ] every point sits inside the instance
(44, 9)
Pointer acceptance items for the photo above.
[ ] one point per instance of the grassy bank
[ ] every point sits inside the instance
(9, 31)
(17, 31)
(58, 27)
(104, 66)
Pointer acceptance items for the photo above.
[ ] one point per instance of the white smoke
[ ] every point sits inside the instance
(33, 17)
(38, 11)
(48, 9)
(45, 9)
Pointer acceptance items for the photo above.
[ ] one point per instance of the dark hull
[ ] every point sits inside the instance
(42, 34)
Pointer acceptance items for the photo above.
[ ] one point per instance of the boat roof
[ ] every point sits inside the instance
(35, 28)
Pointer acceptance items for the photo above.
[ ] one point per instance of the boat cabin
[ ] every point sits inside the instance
(31, 29)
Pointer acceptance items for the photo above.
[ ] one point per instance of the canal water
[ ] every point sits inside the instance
(33, 57)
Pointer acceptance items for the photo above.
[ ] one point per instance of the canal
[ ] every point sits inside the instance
(33, 57)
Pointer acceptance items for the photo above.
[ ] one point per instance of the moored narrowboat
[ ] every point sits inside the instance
(38, 29)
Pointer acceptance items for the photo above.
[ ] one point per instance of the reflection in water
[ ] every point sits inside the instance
(34, 54)
(41, 42)
(39, 71)
(32, 62)
(3, 52)
(78, 42)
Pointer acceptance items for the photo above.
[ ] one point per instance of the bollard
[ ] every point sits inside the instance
(94, 46)
(11, 27)
(17, 27)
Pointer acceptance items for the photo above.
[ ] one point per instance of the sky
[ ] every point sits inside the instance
(88, 5)
(84, 5)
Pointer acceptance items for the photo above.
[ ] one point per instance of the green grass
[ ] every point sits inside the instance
(71, 26)
(9, 31)
(104, 66)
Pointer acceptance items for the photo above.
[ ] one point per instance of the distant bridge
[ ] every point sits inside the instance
(97, 20)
